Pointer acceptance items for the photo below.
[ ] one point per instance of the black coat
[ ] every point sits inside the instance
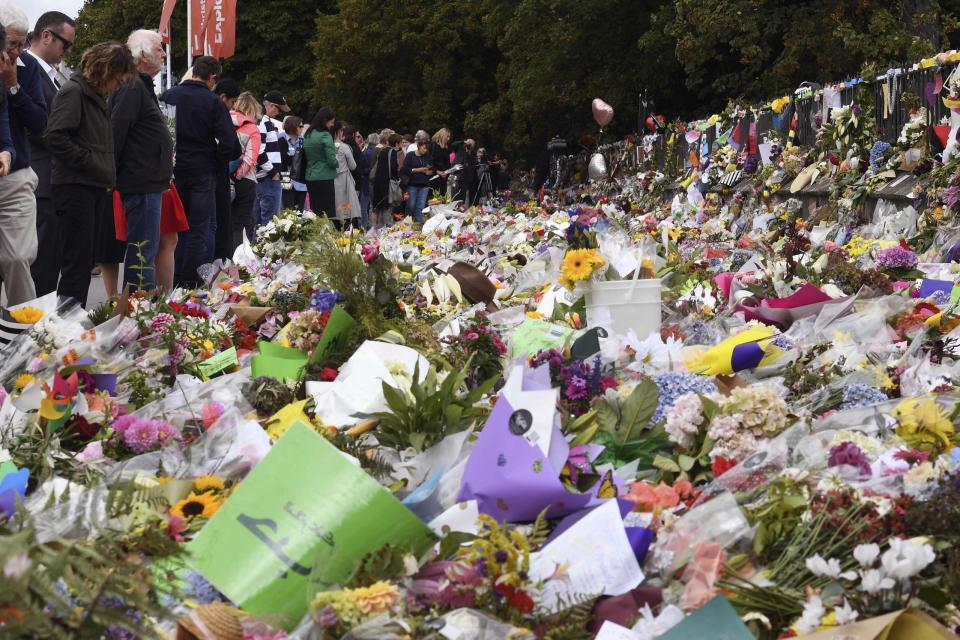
(141, 139)
(79, 136)
(205, 133)
(386, 163)
(39, 154)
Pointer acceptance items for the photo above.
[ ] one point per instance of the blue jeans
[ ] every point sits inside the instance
(194, 249)
(267, 204)
(417, 201)
(143, 239)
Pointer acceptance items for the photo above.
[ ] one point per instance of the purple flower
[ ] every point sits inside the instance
(896, 258)
(325, 300)
(952, 197)
(855, 108)
(123, 423)
(141, 436)
(849, 454)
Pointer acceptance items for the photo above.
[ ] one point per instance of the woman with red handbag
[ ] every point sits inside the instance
(173, 220)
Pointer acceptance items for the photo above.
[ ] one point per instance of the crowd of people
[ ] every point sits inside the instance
(97, 171)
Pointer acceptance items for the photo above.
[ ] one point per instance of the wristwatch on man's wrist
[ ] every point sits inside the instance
(14, 90)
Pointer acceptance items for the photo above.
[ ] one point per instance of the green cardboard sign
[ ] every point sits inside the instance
(955, 295)
(717, 620)
(538, 335)
(337, 330)
(219, 362)
(298, 524)
(277, 361)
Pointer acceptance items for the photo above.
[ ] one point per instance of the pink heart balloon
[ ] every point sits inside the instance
(602, 112)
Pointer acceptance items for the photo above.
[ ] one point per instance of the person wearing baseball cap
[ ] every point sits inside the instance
(269, 183)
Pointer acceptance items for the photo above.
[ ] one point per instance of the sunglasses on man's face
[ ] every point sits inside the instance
(66, 43)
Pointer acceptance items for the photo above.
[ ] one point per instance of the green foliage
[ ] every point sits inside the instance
(372, 290)
(431, 409)
(760, 49)
(66, 589)
(386, 563)
(624, 423)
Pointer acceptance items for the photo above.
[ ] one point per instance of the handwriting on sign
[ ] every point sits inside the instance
(301, 517)
(259, 527)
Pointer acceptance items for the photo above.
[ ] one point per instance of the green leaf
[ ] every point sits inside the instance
(662, 462)
(607, 417)
(586, 436)
(638, 408)
(686, 462)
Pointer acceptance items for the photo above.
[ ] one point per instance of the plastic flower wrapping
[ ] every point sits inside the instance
(665, 401)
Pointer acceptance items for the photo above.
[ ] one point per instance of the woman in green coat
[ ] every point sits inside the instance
(322, 164)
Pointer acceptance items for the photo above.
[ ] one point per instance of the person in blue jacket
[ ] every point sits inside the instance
(205, 138)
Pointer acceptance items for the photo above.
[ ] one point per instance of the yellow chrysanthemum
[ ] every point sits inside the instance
(23, 380)
(26, 315)
(208, 483)
(579, 264)
(924, 425)
(202, 505)
(380, 597)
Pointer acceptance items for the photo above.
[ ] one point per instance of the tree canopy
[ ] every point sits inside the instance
(516, 72)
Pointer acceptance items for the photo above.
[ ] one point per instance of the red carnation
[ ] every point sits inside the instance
(328, 374)
(721, 465)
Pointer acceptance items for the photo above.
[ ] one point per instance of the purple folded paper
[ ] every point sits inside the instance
(928, 287)
(512, 480)
(105, 382)
(640, 540)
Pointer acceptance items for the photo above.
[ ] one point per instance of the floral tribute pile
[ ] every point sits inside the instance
(511, 458)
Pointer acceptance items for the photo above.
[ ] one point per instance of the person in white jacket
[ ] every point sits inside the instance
(348, 202)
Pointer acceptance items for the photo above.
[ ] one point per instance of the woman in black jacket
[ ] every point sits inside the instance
(387, 168)
(80, 139)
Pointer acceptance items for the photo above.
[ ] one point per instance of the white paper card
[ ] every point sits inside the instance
(613, 631)
(594, 555)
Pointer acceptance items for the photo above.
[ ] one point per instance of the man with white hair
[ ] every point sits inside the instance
(53, 36)
(144, 153)
(18, 205)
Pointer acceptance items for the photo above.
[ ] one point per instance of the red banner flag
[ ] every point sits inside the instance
(222, 28)
(197, 13)
(165, 13)
(214, 24)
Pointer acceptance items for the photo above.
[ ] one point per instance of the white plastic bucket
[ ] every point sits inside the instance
(621, 305)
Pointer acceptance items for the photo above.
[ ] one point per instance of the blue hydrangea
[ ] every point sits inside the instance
(783, 342)
(196, 587)
(861, 395)
(876, 154)
(325, 300)
(674, 385)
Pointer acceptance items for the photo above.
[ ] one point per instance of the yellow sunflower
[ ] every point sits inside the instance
(579, 264)
(208, 483)
(202, 505)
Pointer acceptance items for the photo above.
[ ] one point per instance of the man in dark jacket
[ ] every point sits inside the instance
(18, 205)
(205, 137)
(53, 36)
(144, 153)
